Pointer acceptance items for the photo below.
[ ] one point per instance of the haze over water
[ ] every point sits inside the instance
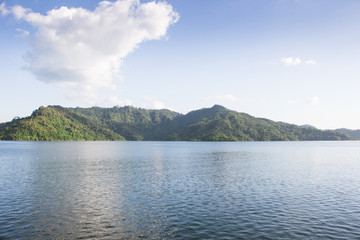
(179, 190)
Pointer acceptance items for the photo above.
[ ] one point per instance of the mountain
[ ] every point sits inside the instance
(352, 133)
(129, 123)
(307, 126)
(221, 124)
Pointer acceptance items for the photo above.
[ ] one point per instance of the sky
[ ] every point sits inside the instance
(295, 61)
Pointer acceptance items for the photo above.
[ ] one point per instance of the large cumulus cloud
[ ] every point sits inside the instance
(82, 50)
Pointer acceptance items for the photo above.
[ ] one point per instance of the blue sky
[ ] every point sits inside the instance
(295, 61)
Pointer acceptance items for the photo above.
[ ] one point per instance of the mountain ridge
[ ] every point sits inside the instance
(350, 132)
(57, 123)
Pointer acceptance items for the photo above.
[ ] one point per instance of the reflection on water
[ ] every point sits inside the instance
(179, 190)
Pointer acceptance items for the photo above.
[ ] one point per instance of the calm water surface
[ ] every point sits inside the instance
(179, 190)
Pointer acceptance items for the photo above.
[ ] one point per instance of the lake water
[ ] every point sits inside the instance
(179, 190)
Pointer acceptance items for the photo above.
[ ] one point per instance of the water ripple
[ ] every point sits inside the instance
(156, 190)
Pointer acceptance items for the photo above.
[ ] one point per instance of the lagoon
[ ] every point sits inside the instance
(179, 190)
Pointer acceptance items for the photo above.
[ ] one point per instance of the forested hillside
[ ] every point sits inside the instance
(54, 123)
(352, 133)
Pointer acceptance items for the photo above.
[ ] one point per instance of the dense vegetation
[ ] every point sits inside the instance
(352, 133)
(221, 124)
(129, 123)
(55, 123)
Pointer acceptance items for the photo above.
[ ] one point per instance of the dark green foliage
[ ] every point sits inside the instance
(221, 124)
(120, 123)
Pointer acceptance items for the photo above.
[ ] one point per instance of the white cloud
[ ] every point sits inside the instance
(154, 103)
(224, 98)
(23, 33)
(296, 61)
(82, 50)
(158, 105)
(3, 10)
(311, 62)
(97, 99)
(291, 61)
(311, 101)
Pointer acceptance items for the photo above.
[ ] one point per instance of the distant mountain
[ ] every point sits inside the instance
(129, 123)
(352, 133)
(307, 126)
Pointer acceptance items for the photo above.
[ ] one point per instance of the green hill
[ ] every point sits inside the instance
(221, 124)
(55, 124)
(130, 123)
(352, 133)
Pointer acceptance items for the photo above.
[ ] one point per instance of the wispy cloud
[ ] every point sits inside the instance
(224, 98)
(154, 103)
(23, 33)
(3, 10)
(311, 101)
(291, 61)
(82, 50)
